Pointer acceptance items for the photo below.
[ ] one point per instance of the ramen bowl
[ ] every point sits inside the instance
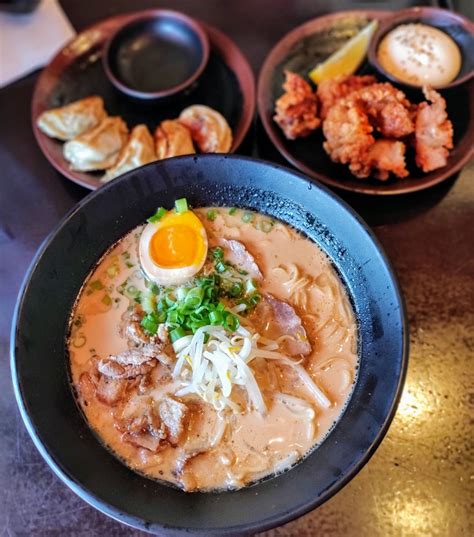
(40, 368)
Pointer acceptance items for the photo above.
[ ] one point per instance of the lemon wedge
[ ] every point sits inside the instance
(347, 59)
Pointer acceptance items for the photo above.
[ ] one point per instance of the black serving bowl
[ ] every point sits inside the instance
(40, 365)
(157, 54)
(458, 27)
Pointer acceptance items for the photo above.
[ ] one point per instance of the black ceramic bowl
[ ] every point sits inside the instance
(459, 28)
(40, 366)
(159, 53)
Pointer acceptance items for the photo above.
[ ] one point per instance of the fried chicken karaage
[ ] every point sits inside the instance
(368, 124)
(433, 132)
(296, 110)
(332, 90)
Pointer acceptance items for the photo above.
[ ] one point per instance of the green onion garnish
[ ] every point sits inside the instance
(176, 334)
(106, 300)
(181, 205)
(211, 215)
(155, 289)
(218, 253)
(160, 212)
(248, 217)
(148, 301)
(220, 266)
(150, 323)
(97, 285)
(265, 225)
(232, 210)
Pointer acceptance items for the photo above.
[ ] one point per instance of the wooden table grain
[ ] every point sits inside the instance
(420, 480)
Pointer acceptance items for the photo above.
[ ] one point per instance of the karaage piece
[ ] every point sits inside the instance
(74, 119)
(385, 157)
(353, 123)
(332, 90)
(173, 139)
(98, 148)
(348, 135)
(138, 151)
(209, 129)
(297, 109)
(389, 111)
(433, 132)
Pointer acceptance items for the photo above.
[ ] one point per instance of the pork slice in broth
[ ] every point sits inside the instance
(236, 253)
(275, 318)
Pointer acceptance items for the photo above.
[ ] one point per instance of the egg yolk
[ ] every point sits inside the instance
(174, 246)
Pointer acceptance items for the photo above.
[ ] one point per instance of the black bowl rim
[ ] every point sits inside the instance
(274, 520)
(389, 22)
(146, 16)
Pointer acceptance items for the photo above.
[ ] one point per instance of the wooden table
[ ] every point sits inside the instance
(419, 480)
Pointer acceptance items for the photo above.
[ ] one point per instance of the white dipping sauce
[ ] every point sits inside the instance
(420, 54)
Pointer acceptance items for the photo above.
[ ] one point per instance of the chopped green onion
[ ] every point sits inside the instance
(232, 210)
(172, 317)
(248, 217)
(181, 205)
(97, 285)
(176, 334)
(129, 264)
(126, 255)
(155, 289)
(112, 271)
(220, 266)
(181, 293)
(106, 300)
(216, 317)
(122, 286)
(79, 341)
(231, 322)
(148, 301)
(160, 212)
(211, 215)
(265, 225)
(236, 290)
(250, 287)
(162, 305)
(254, 300)
(132, 291)
(169, 300)
(194, 297)
(218, 253)
(150, 323)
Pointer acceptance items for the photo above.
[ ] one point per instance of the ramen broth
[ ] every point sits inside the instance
(232, 447)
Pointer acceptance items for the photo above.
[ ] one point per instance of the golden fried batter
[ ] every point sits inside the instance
(332, 90)
(296, 110)
(433, 132)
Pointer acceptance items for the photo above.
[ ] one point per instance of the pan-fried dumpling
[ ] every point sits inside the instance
(74, 119)
(209, 129)
(97, 149)
(173, 139)
(139, 150)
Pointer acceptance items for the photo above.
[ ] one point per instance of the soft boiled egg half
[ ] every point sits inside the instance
(173, 247)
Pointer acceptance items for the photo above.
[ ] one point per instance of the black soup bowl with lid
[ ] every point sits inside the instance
(157, 55)
(40, 368)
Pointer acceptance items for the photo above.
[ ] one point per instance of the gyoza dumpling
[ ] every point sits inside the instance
(173, 139)
(209, 129)
(139, 150)
(76, 118)
(97, 149)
